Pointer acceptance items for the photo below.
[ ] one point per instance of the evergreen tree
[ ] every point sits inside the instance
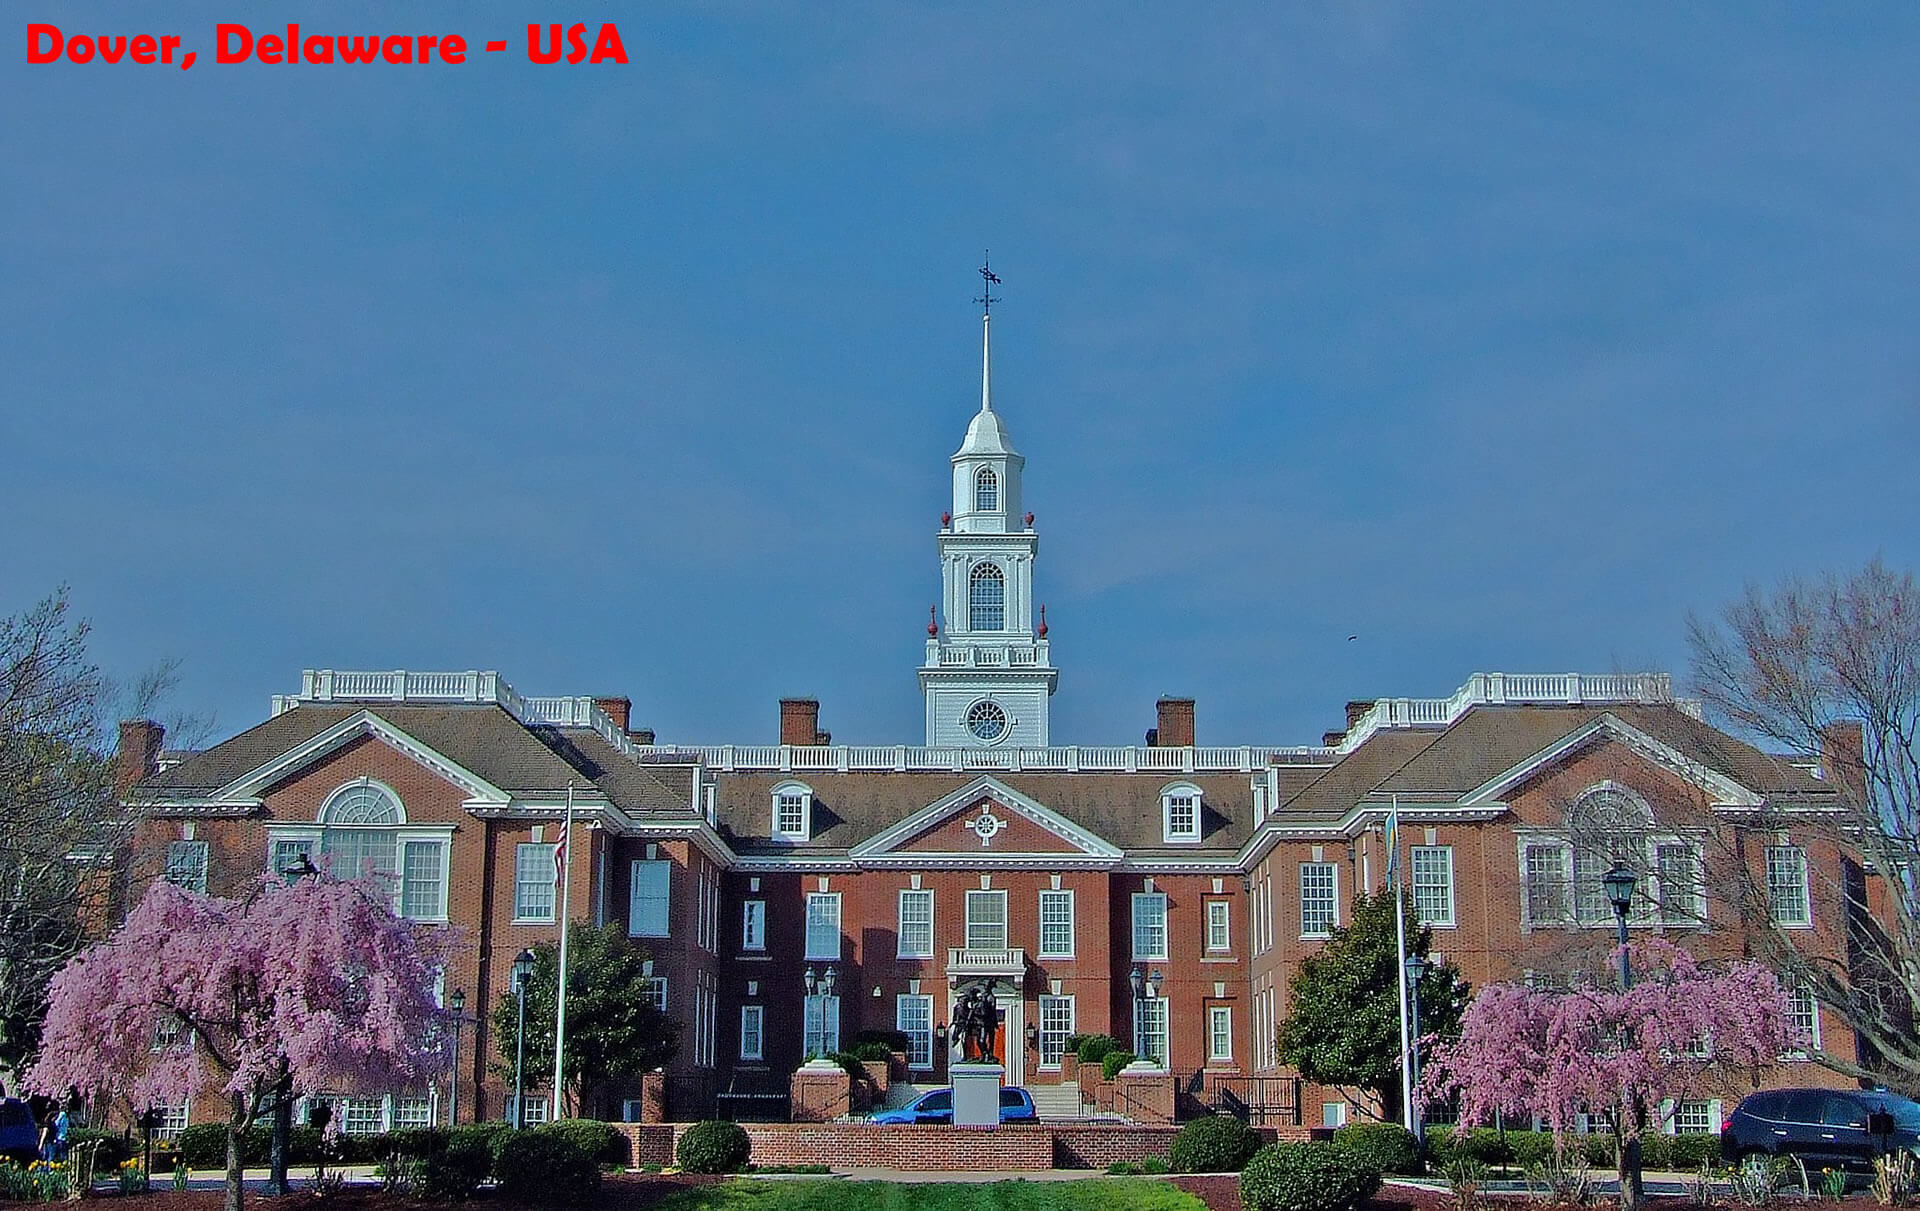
(1343, 1004)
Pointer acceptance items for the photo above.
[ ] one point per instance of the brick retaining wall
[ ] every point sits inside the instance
(926, 1148)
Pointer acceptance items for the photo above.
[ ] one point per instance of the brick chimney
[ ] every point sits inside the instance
(1843, 756)
(139, 755)
(1332, 739)
(800, 722)
(642, 735)
(1176, 723)
(1356, 710)
(620, 710)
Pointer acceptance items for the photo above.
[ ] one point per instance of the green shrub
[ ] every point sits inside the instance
(1439, 1149)
(462, 1161)
(872, 1051)
(1154, 1164)
(1656, 1150)
(1306, 1177)
(204, 1146)
(849, 1064)
(1218, 1143)
(892, 1040)
(543, 1165)
(1113, 1061)
(1529, 1148)
(1386, 1147)
(714, 1147)
(1123, 1169)
(1094, 1047)
(1690, 1151)
(1598, 1148)
(604, 1142)
(1486, 1145)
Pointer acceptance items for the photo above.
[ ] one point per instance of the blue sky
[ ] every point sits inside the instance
(1500, 337)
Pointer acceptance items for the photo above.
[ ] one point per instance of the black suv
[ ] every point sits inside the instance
(1824, 1127)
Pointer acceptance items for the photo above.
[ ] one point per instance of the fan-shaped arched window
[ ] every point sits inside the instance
(987, 599)
(987, 721)
(361, 803)
(1608, 824)
(986, 491)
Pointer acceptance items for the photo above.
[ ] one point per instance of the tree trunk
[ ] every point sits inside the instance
(1626, 1153)
(236, 1175)
(282, 1130)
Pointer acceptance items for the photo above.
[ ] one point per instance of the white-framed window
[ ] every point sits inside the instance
(1149, 925)
(1319, 899)
(533, 881)
(1548, 881)
(647, 898)
(412, 1111)
(823, 925)
(423, 881)
(792, 811)
(1056, 924)
(914, 936)
(362, 1115)
(986, 920)
(1056, 1027)
(821, 1025)
(1682, 892)
(168, 1030)
(1180, 812)
(187, 865)
(171, 1121)
(654, 989)
(284, 854)
(987, 721)
(913, 1017)
(1220, 1033)
(753, 925)
(986, 598)
(1219, 926)
(986, 491)
(1150, 1029)
(532, 1110)
(1803, 1014)
(753, 1032)
(1433, 883)
(1787, 899)
(1695, 1116)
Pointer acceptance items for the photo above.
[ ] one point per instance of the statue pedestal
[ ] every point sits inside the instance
(976, 1094)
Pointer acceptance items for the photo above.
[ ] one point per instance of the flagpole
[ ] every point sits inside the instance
(565, 854)
(1400, 967)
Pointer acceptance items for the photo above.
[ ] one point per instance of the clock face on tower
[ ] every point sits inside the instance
(987, 721)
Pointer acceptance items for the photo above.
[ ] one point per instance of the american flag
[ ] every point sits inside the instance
(560, 844)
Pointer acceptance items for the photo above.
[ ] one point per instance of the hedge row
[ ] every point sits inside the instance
(1520, 1149)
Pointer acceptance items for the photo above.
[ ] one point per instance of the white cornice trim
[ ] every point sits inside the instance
(954, 802)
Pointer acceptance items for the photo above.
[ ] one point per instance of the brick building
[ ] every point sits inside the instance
(793, 893)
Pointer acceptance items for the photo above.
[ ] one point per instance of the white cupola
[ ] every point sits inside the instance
(987, 674)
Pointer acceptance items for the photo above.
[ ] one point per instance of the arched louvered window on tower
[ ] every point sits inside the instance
(986, 491)
(987, 599)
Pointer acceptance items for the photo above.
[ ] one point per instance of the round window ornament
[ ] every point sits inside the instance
(987, 721)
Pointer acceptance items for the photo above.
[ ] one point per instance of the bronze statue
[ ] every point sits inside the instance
(974, 1020)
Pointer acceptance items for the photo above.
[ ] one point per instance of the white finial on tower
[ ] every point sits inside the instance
(988, 280)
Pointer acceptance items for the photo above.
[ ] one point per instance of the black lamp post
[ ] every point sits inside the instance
(1619, 886)
(1145, 987)
(1417, 968)
(522, 975)
(458, 1002)
(298, 866)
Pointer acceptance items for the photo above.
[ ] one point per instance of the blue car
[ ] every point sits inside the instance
(936, 1106)
(19, 1134)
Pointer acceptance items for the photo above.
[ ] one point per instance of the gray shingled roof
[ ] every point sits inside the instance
(848, 808)
(486, 739)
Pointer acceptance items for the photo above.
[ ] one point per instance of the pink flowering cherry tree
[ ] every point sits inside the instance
(1682, 1028)
(313, 985)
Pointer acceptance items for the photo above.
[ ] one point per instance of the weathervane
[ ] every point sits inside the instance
(988, 280)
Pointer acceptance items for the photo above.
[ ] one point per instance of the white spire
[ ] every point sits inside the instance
(986, 362)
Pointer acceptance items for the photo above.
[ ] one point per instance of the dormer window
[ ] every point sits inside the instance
(986, 598)
(1180, 812)
(792, 811)
(986, 491)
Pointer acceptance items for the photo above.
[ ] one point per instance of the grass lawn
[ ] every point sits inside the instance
(1094, 1194)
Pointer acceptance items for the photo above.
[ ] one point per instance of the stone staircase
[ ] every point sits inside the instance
(1059, 1101)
